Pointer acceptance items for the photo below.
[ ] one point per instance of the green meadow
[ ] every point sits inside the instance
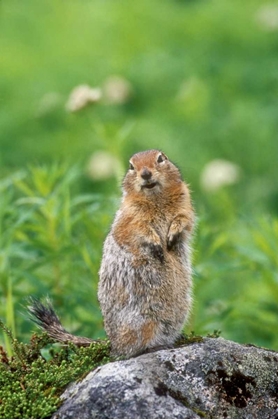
(84, 85)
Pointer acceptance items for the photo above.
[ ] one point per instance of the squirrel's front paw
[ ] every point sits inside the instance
(172, 239)
(156, 251)
(176, 230)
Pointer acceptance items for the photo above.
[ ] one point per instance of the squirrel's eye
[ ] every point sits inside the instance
(160, 159)
(131, 167)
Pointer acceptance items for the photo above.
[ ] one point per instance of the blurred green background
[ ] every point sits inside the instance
(195, 78)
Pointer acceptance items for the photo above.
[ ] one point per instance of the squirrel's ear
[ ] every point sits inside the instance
(161, 157)
(131, 167)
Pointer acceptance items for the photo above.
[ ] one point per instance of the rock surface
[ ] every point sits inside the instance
(214, 378)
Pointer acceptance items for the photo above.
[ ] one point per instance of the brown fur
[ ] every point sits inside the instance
(145, 275)
(147, 253)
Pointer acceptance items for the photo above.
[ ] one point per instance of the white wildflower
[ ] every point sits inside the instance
(117, 90)
(102, 165)
(218, 173)
(267, 17)
(81, 96)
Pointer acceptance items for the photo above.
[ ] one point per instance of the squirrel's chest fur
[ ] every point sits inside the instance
(131, 227)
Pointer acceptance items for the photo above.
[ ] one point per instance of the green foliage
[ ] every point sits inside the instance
(51, 244)
(199, 91)
(31, 383)
(236, 282)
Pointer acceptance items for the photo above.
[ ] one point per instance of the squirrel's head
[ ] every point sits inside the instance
(150, 172)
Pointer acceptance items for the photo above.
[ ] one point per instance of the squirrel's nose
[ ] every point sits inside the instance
(146, 174)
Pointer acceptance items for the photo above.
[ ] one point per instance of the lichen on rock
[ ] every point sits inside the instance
(212, 378)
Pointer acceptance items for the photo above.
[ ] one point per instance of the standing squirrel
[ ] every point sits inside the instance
(145, 284)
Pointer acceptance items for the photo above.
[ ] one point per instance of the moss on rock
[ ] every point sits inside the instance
(32, 380)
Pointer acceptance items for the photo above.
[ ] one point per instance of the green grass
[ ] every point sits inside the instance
(204, 87)
(203, 75)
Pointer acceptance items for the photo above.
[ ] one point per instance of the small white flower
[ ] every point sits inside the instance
(117, 90)
(102, 165)
(267, 17)
(218, 173)
(81, 96)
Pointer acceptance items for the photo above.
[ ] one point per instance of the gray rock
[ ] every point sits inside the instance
(214, 378)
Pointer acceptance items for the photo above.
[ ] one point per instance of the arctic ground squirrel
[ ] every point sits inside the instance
(145, 285)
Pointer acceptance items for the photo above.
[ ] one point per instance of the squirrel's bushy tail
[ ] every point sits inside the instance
(45, 317)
